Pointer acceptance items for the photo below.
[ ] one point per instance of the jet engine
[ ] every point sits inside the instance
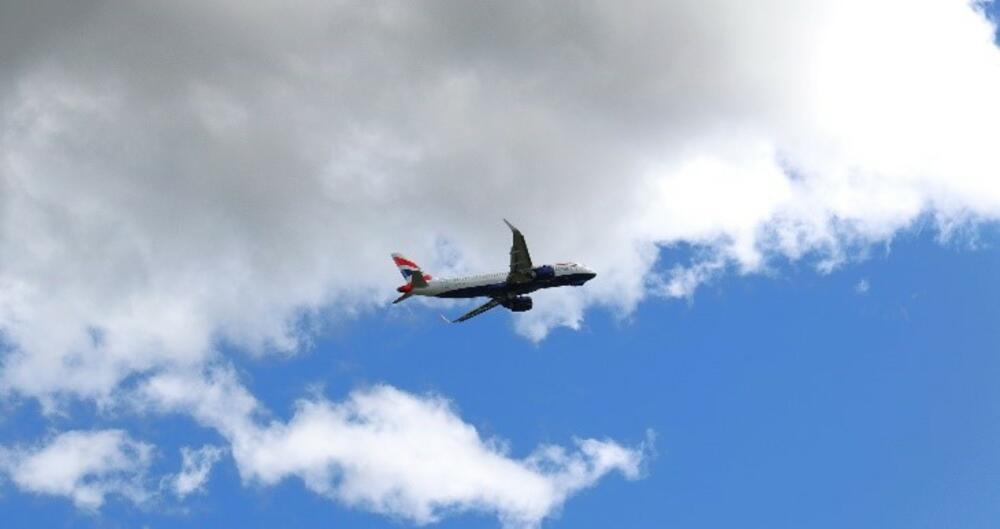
(543, 272)
(518, 304)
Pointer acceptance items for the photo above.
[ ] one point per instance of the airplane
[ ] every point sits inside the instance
(506, 289)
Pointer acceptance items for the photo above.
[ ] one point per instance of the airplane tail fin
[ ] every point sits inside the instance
(414, 276)
(406, 266)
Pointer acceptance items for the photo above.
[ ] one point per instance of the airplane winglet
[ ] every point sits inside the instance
(509, 225)
(446, 320)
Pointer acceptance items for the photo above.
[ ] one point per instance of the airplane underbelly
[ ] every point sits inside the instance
(475, 291)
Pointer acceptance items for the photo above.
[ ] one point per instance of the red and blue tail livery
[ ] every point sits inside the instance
(415, 278)
(505, 289)
(406, 266)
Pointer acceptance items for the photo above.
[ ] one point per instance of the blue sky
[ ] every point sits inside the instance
(781, 400)
(792, 208)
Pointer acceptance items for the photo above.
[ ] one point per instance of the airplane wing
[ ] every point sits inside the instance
(477, 311)
(520, 259)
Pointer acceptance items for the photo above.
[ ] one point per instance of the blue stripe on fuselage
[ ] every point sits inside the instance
(478, 291)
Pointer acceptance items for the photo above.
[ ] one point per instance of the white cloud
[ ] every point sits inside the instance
(392, 452)
(85, 466)
(195, 466)
(862, 287)
(683, 281)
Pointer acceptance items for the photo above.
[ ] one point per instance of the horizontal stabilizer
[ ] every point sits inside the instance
(401, 298)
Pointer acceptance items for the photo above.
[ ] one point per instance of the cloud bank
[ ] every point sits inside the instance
(225, 178)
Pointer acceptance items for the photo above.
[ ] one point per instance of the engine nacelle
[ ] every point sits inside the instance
(518, 304)
(544, 272)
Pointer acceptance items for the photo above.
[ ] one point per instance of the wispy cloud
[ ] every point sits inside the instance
(195, 467)
(84, 466)
(392, 452)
